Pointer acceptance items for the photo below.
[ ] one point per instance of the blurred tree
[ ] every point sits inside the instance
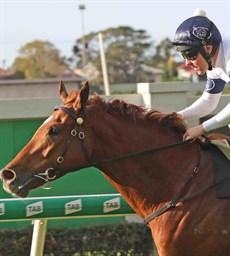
(125, 48)
(39, 59)
(164, 57)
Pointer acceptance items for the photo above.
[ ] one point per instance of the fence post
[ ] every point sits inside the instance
(38, 239)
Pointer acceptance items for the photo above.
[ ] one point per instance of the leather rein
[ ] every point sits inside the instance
(52, 173)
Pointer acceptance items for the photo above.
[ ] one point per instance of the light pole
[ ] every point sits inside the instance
(81, 7)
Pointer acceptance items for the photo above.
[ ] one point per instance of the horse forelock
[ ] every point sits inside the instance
(71, 98)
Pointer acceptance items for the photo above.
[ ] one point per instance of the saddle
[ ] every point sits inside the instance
(220, 151)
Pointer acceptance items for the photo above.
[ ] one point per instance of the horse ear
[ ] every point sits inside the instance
(83, 96)
(62, 91)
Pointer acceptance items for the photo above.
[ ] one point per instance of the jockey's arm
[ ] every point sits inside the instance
(220, 120)
(207, 102)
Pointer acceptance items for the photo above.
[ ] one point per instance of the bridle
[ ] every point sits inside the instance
(52, 172)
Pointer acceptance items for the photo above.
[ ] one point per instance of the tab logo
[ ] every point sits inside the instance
(112, 205)
(73, 206)
(2, 209)
(33, 209)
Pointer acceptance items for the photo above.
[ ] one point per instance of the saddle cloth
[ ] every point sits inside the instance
(223, 146)
(221, 161)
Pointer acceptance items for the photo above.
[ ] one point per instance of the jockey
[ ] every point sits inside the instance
(200, 43)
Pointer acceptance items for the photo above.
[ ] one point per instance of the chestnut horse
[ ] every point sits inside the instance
(167, 181)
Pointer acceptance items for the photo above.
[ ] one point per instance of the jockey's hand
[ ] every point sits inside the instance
(194, 132)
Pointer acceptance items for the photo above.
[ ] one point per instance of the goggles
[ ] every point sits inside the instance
(190, 54)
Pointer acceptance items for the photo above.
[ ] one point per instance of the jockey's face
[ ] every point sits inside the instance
(199, 65)
(195, 60)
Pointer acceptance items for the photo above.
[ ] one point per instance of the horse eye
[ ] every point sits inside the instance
(53, 130)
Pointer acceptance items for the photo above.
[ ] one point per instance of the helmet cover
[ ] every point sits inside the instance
(197, 31)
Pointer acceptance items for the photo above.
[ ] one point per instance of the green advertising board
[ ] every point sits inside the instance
(64, 207)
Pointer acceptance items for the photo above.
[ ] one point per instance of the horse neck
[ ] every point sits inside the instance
(144, 181)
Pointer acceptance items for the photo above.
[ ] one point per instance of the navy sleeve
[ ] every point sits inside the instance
(214, 86)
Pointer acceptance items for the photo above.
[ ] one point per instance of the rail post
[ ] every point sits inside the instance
(38, 238)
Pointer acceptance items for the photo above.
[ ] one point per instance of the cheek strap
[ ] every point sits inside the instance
(207, 57)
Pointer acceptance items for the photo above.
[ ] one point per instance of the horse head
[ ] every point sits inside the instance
(52, 151)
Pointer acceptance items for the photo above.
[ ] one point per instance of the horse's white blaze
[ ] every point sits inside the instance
(47, 120)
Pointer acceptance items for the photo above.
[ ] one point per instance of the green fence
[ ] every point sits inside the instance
(64, 207)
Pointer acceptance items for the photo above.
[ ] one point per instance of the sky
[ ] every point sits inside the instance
(61, 22)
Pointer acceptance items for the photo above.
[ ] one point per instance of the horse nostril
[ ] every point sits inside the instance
(8, 174)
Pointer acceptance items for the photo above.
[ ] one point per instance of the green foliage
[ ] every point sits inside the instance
(39, 59)
(125, 48)
(104, 240)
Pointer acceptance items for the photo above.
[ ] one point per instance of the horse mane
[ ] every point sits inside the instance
(118, 107)
(217, 136)
(122, 109)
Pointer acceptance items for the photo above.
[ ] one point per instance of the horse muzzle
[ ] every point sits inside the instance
(8, 177)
